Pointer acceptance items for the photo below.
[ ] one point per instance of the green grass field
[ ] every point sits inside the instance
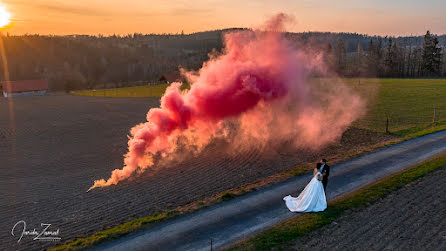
(145, 91)
(413, 106)
(410, 105)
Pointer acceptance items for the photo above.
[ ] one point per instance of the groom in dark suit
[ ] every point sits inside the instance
(325, 170)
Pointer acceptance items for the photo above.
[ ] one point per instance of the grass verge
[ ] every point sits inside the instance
(145, 222)
(415, 132)
(283, 234)
(116, 232)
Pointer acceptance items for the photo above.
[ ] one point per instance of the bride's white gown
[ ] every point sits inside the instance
(312, 198)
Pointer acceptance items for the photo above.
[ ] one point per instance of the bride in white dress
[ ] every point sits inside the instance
(312, 198)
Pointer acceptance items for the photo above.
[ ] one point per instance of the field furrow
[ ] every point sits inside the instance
(63, 143)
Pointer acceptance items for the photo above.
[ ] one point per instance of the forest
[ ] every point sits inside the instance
(77, 62)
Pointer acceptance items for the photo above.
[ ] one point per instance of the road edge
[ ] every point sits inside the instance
(284, 233)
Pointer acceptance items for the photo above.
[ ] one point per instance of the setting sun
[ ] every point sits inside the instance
(205, 124)
(4, 17)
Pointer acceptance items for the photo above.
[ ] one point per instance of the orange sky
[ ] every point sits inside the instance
(395, 17)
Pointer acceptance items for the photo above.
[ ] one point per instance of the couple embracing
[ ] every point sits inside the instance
(312, 198)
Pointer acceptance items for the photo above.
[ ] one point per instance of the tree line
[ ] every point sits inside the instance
(388, 57)
(87, 62)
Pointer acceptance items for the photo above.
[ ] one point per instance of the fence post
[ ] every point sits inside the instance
(435, 115)
(387, 125)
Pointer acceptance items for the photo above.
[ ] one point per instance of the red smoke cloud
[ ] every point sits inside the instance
(259, 83)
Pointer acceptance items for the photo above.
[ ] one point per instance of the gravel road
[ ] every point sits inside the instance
(412, 218)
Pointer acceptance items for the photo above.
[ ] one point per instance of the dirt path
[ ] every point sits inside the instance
(412, 218)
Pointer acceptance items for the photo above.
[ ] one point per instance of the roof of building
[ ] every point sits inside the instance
(173, 77)
(24, 86)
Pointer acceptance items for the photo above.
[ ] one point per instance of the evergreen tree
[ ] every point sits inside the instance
(437, 57)
(390, 59)
(378, 57)
(409, 72)
(329, 49)
(400, 59)
(329, 57)
(360, 64)
(431, 57)
(371, 47)
(371, 60)
(444, 64)
(341, 57)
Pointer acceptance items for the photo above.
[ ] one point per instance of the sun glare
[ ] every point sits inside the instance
(4, 17)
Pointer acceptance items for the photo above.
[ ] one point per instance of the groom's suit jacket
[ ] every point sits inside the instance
(326, 170)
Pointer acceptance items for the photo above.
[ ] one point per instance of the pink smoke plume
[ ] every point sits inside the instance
(260, 82)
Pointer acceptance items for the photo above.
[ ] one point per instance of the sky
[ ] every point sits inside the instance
(373, 17)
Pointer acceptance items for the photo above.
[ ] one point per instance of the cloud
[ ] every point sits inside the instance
(186, 8)
(190, 11)
(64, 8)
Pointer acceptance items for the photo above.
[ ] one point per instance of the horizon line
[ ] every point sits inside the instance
(203, 31)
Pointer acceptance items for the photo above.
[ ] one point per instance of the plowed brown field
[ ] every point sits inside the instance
(56, 146)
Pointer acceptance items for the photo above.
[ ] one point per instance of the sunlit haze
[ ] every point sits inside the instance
(398, 17)
(4, 17)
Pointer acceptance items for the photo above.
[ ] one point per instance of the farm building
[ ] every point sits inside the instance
(172, 77)
(24, 87)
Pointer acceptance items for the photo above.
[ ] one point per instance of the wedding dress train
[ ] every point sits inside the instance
(311, 199)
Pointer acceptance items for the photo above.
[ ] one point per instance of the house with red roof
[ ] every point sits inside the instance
(24, 87)
(172, 77)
